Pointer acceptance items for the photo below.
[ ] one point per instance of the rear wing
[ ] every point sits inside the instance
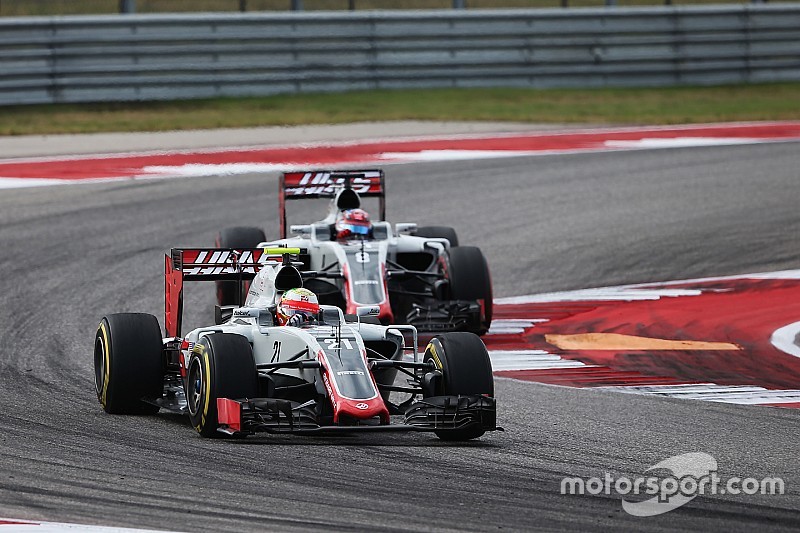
(209, 264)
(326, 184)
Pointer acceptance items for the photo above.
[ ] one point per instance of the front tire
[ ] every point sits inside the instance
(232, 292)
(466, 370)
(221, 366)
(470, 280)
(128, 363)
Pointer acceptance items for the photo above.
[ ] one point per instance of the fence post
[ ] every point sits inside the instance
(242, 5)
(297, 5)
(459, 4)
(127, 6)
(351, 5)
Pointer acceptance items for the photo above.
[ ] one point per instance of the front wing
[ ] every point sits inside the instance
(453, 315)
(437, 413)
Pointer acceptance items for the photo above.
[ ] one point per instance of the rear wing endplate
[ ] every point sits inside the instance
(325, 184)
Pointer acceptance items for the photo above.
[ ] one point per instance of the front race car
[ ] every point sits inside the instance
(247, 374)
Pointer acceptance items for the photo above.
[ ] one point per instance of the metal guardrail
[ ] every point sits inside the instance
(152, 57)
(96, 7)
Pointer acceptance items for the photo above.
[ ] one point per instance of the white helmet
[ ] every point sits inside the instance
(301, 303)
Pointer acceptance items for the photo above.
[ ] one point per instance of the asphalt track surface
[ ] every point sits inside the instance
(71, 254)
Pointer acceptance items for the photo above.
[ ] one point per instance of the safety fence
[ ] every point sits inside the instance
(152, 57)
(94, 7)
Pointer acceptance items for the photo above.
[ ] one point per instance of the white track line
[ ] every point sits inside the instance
(12, 525)
(786, 339)
(513, 325)
(712, 392)
(530, 360)
(639, 291)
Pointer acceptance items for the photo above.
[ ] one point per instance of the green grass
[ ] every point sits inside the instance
(595, 106)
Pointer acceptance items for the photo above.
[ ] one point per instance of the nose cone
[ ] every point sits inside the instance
(362, 410)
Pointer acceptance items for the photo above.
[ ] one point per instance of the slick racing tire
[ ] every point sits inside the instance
(470, 280)
(439, 232)
(230, 292)
(466, 370)
(128, 363)
(221, 366)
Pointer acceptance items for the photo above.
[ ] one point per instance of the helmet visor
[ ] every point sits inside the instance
(356, 230)
(288, 313)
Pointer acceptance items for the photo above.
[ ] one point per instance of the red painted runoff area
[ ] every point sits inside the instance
(721, 332)
(180, 163)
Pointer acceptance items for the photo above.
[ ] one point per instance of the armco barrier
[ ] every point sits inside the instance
(150, 57)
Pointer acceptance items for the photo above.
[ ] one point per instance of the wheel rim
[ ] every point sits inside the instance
(430, 359)
(99, 363)
(194, 382)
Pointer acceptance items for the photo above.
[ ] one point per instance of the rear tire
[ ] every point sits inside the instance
(466, 370)
(233, 292)
(128, 363)
(221, 366)
(439, 232)
(470, 280)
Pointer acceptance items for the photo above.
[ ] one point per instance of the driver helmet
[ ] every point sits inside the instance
(353, 223)
(297, 307)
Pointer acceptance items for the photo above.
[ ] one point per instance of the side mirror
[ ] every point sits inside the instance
(300, 229)
(371, 310)
(405, 228)
(246, 312)
(368, 310)
(263, 316)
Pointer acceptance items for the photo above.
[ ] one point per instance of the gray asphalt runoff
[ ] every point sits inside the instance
(95, 143)
(71, 254)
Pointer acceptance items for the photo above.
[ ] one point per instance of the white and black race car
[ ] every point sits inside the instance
(415, 275)
(246, 374)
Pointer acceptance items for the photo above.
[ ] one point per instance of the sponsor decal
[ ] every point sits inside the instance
(329, 389)
(432, 349)
(362, 406)
(350, 373)
(324, 183)
(219, 262)
(106, 367)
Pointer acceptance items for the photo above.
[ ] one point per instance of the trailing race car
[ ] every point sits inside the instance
(415, 275)
(253, 371)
